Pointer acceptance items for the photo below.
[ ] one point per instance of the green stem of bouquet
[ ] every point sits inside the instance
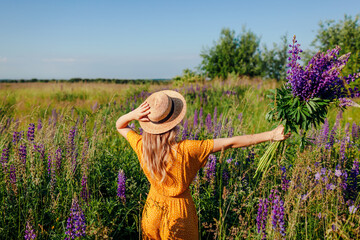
(265, 160)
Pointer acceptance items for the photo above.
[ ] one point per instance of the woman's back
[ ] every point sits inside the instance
(189, 157)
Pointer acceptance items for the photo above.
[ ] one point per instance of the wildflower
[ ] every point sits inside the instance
(324, 132)
(29, 232)
(320, 78)
(12, 174)
(84, 190)
(330, 186)
(31, 132)
(215, 116)
(352, 209)
(338, 173)
(121, 186)
(195, 119)
(23, 153)
(261, 218)
(229, 160)
(16, 137)
(211, 167)
(201, 117)
(284, 181)
(185, 130)
(208, 123)
(355, 131)
(39, 127)
(317, 176)
(76, 223)
(4, 158)
(319, 215)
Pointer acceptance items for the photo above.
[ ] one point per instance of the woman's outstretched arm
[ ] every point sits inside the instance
(247, 140)
(139, 114)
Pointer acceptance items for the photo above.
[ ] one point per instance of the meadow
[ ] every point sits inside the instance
(67, 173)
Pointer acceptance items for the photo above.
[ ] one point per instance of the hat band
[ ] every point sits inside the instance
(168, 116)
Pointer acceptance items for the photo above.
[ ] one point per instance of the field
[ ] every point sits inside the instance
(65, 167)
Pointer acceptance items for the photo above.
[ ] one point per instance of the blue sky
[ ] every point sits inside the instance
(142, 39)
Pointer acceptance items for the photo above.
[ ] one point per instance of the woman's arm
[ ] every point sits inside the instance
(247, 140)
(139, 114)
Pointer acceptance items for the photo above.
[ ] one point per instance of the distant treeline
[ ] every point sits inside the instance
(87, 80)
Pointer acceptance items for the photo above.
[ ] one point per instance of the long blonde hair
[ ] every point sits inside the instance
(157, 152)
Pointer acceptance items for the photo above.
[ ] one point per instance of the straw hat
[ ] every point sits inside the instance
(167, 109)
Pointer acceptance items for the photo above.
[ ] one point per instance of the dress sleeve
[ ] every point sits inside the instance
(135, 142)
(199, 151)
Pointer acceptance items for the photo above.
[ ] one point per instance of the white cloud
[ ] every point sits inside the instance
(3, 59)
(64, 60)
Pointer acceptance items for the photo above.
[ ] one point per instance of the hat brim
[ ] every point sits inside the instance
(176, 117)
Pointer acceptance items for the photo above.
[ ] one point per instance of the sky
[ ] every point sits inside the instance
(142, 39)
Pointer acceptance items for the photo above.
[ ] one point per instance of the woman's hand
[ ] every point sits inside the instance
(141, 112)
(278, 134)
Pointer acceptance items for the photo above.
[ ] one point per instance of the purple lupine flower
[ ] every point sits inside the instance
(342, 149)
(58, 158)
(338, 173)
(29, 232)
(261, 218)
(23, 153)
(31, 132)
(228, 161)
(317, 176)
(240, 117)
(278, 214)
(319, 215)
(346, 102)
(208, 123)
(12, 174)
(352, 209)
(39, 127)
(320, 78)
(211, 168)
(121, 186)
(94, 107)
(284, 181)
(185, 130)
(215, 117)
(195, 124)
(355, 132)
(201, 118)
(40, 148)
(331, 140)
(16, 137)
(330, 186)
(84, 189)
(324, 132)
(251, 156)
(76, 223)
(4, 159)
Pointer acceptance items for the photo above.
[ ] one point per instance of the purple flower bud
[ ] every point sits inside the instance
(121, 186)
(76, 223)
(29, 232)
(23, 153)
(31, 132)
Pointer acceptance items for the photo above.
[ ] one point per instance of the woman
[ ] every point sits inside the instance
(170, 166)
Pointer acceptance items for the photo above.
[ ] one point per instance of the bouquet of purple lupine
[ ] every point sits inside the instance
(304, 100)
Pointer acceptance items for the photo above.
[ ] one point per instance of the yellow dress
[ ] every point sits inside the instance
(169, 211)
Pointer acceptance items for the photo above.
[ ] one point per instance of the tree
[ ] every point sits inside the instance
(346, 34)
(275, 60)
(232, 54)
